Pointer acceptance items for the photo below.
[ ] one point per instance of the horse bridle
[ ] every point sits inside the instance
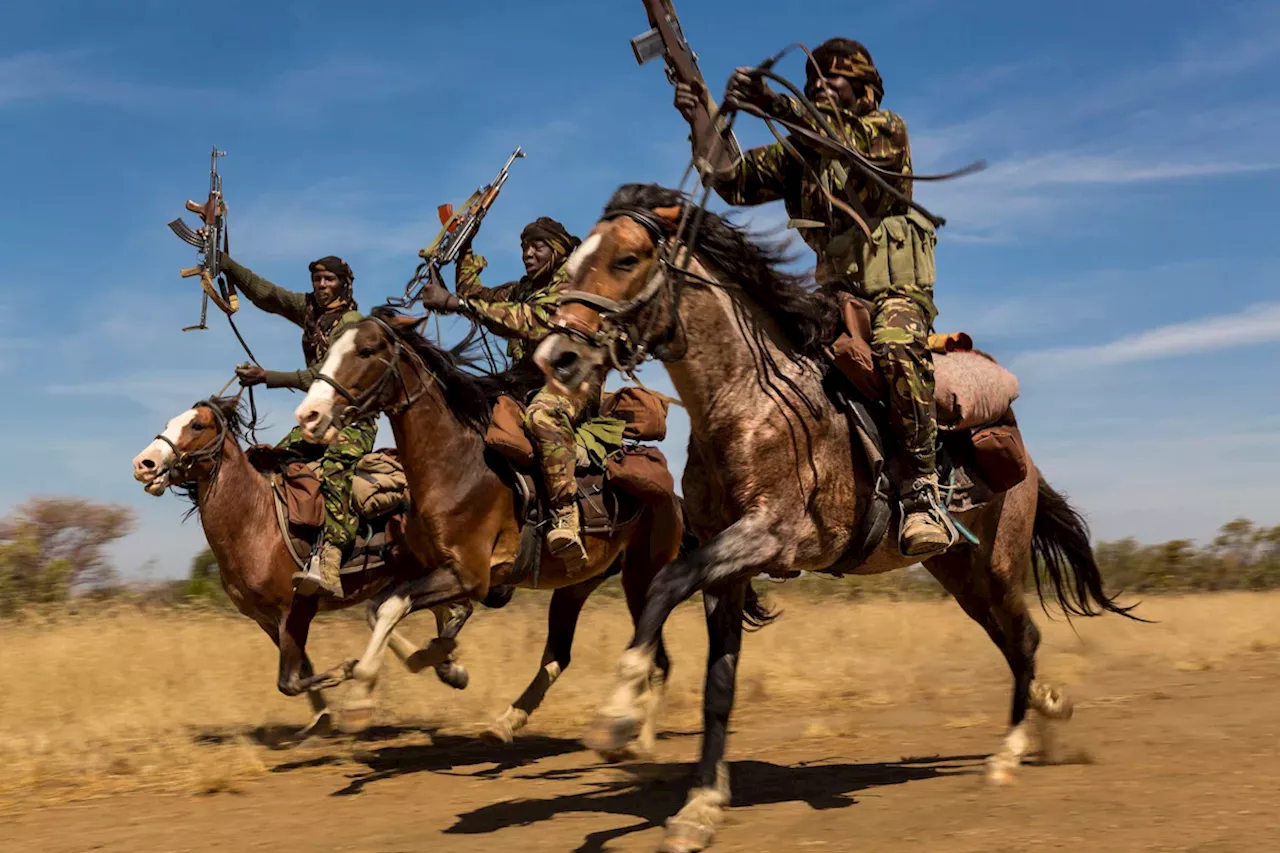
(621, 334)
(184, 460)
(360, 405)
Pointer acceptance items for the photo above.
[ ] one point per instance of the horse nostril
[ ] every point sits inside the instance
(147, 463)
(565, 359)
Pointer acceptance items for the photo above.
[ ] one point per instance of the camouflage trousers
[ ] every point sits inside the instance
(337, 466)
(551, 419)
(900, 338)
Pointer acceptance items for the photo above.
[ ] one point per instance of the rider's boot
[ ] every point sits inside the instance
(564, 539)
(323, 573)
(923, 532)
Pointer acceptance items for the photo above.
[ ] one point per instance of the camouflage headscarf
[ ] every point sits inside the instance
(848, 58)
(552, 233)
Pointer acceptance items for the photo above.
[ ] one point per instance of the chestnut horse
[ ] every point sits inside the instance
(773, 482)
(464, 519)
(199, 452)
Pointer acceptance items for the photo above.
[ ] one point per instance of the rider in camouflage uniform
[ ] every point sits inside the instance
(521, 312)
(320, 313)
(892, 265)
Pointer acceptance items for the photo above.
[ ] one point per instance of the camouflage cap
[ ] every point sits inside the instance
(846, 58)
(552, 233)
(335, 265)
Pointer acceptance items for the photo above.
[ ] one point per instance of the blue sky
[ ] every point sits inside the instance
(1118, 254)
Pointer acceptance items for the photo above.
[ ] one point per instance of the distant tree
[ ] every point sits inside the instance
(50, 547)
(204, 581)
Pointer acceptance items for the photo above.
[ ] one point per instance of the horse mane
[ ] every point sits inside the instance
(240, 427)
(806, 315)
(468, 395)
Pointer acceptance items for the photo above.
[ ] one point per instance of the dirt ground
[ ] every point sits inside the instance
(1173, 747)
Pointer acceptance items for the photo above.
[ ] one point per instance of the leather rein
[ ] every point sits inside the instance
(624, 335)
(185, 460)
(364, 404)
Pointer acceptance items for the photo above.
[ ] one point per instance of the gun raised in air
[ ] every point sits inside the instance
(212, 242)
(458, 227)
(666, 39)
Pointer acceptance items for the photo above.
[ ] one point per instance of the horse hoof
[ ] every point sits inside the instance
(498, 734)
(685, 838)
(1000, 777)
(608, 736)
(455, 675)
(356, 717)
(321, 724)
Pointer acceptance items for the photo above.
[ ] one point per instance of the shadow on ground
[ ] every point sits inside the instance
(820, 785)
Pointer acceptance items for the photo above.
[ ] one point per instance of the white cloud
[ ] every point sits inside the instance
(1254, 325)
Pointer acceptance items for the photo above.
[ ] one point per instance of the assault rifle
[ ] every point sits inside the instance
(211, 240)
(667, 40)
(457, 229)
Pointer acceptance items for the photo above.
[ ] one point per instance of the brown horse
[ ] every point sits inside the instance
(464, 518)
(199, 452)
(773, 482)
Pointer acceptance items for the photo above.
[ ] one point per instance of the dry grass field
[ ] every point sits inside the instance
(155, 708)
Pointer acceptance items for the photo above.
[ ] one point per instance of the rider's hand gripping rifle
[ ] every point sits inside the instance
(457, 229)
(715, 142)
(211, 240)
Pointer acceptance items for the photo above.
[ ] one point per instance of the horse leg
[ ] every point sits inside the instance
(743, 549)
(384, 615)
(642, 565)
(440, 652)
(296, 671)
(693, 827)
(987, 583)
(562, 622)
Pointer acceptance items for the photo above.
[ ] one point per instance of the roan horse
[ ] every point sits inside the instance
(464, 518)
(199, 452)
(772, 483)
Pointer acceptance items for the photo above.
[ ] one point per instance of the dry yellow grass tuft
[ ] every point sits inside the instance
(186, 700)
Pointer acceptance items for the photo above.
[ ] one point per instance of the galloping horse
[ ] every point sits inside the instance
(464, 519)
(773, 483)
(199, 451)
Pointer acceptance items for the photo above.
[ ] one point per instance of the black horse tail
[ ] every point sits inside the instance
(1060, 549)
(756, 612)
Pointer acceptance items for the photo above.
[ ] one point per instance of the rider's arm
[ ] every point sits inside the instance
(528, 319)
(269, 297)
(302, 379)
(467, 281)
(758, 176)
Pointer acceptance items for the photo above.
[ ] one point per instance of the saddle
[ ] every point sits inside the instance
(638, 472)
(980, 452)
(299, 504)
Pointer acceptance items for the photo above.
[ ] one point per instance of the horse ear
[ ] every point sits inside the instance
(404, 321)
(671, 215)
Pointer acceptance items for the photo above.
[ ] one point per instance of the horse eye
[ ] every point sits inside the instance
(625, 263)
(196, 426)
(365, 352)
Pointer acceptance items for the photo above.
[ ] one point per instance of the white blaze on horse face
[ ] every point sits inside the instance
(316, 410)
(154, 460)
(580, 255)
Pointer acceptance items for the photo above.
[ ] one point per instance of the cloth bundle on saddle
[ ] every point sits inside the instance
(379, 492)
(612, 464)
(974, 397)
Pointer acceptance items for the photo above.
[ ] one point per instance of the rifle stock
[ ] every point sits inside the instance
(717, 146)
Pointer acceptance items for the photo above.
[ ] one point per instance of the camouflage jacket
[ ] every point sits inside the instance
(519, 311)
(299, 309)
(771, 173)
